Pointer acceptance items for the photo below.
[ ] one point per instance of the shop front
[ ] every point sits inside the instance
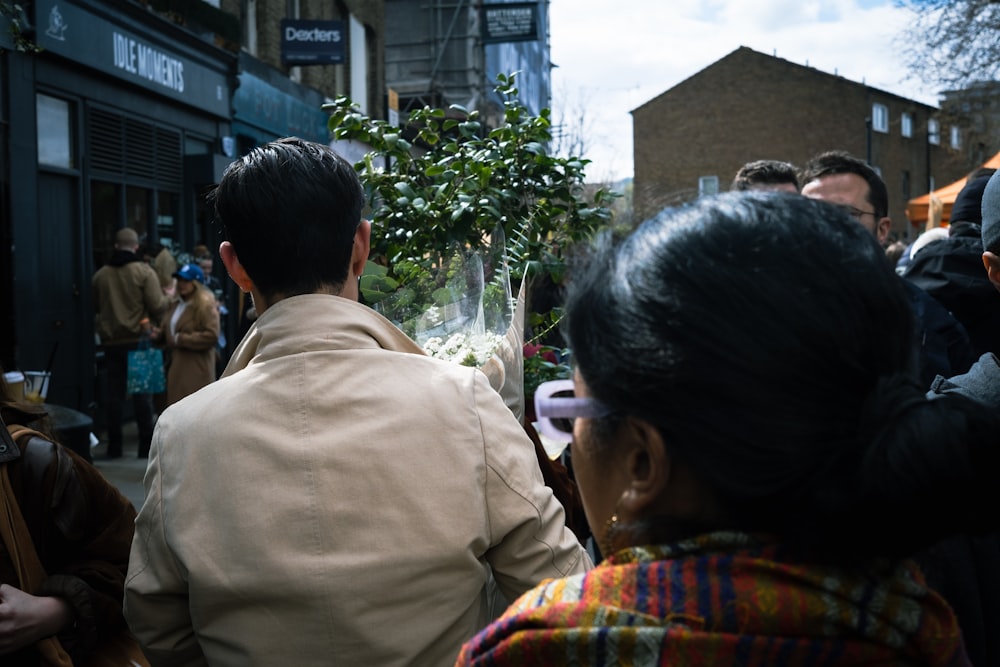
(120, 121)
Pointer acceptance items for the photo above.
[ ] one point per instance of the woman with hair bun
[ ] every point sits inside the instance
(755, 456)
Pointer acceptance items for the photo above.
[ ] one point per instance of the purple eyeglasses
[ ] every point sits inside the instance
(556, 407)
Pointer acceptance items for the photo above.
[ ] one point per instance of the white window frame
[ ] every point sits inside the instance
(906, 124)
(933, 131)
(708, 185)
(956, 137)
(880, 117)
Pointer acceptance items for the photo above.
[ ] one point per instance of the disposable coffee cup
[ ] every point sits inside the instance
(36, 386)
(15, 381)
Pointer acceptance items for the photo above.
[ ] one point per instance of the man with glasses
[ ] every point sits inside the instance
(848, 182)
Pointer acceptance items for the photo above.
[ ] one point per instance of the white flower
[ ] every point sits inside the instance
(469, 349)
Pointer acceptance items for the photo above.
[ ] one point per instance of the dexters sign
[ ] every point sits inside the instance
(312, 42)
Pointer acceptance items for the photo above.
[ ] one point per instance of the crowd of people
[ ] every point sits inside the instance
(142, 301)
(783, 448)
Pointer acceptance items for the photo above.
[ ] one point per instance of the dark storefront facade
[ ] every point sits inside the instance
(267, 105)
(119, 121)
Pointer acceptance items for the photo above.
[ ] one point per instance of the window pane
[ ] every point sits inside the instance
(906, 125)
(55, 147)
(880, 118)
(105, 214)
(956, 137)
(166, 215)
(137, 212)
(933, 132)
(708, 185)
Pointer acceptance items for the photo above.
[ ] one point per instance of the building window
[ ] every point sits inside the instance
(708, 185)
(956, 137)
(880, 118)
(933, 132)
(55, 132)
(906, 124)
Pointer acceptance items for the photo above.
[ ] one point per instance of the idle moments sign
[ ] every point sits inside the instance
(96, 42)
(312, 42)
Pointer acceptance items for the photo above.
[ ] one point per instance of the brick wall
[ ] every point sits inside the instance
(750, 106)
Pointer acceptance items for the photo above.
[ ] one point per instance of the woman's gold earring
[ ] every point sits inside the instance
(610, 527)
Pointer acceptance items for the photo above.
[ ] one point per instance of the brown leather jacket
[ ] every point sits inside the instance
(82, 529)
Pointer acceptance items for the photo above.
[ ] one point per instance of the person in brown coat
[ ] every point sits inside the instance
(190, 330)
(79, 525)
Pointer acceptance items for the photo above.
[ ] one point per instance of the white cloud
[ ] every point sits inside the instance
(616, 56)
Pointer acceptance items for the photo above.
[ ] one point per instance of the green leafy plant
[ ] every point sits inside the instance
(543, 363)
(445, 181)
(19, 27)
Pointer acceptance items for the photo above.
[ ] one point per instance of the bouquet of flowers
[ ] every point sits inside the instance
(462, 311)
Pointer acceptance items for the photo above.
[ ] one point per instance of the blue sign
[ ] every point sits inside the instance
(72, 32)
(260, 104)
(312, 42)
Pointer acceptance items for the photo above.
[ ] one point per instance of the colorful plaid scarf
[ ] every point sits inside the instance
(724, 599)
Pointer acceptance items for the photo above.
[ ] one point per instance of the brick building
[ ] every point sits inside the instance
(974, 115)
(692, 139)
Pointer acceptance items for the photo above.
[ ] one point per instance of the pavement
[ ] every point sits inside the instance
(125, 473)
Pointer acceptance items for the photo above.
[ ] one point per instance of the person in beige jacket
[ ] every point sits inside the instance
(127, 298)
(337, 497)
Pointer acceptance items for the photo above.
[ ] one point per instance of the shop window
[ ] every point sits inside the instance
(105, 212)
(880, 118)
(55, 132)
(166, 217)
(906, 124)
(708, 185)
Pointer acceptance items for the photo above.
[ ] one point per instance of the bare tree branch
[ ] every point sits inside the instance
(953, 43)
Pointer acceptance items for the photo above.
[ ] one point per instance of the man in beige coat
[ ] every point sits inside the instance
(337, 497)
(127, 298)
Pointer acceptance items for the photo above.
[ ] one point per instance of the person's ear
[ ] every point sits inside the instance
(362, 246)
(647, 467)
(882, 227)
(992, 263)
(233, 266)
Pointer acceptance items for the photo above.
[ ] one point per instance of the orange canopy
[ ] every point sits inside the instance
(916, 209)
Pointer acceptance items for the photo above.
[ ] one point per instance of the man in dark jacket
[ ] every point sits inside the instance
(842, 179)
(951, 270)
(127, 296)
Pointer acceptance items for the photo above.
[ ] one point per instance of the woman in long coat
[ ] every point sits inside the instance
(190, 330)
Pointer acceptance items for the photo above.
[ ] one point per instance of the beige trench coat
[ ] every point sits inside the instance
(192, 345)
(336, 498)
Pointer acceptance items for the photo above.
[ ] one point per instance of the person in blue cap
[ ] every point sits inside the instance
(190, 331)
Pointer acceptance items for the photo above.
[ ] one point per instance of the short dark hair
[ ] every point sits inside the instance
(760, 333)
(842, 162)
(765, 172)
(290, 209)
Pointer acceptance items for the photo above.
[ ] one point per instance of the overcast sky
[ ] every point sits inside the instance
(613, 56)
